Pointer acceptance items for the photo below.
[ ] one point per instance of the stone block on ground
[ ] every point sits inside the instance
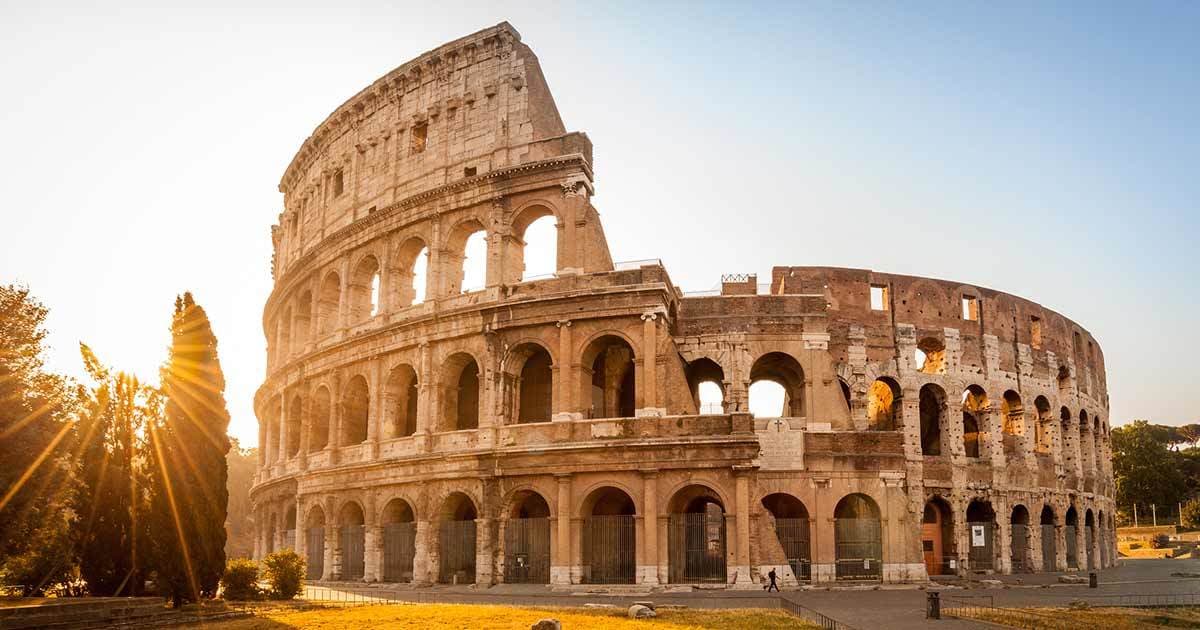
(547, 624)
(637, 611)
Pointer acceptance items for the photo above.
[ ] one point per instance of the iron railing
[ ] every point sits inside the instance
(315, 549)
(399, 550)
(858, 543)
(609, 547)
(353, 543)
(793, 534)
(527, 551)
(456, 551)
(808, 614)
(696, 546)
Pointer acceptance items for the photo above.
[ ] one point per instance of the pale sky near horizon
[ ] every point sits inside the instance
(1044, 149)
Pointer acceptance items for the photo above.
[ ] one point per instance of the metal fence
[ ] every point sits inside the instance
(315, 548)
(696, 544)
(456, 551)
(609, 546)
(983, 608)
(859, 546)
(353, 543)
(399, 550)
(793, 536)
(527, 551)
(1049, 549)
(1018, 548)
(1072, 543)
(808, 614)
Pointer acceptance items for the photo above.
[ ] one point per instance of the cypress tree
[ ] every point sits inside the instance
(187, 452)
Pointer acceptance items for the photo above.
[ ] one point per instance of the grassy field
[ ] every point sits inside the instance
(1093, 618)
(463, 617)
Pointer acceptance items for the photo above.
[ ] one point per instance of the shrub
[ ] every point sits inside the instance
(1191, 513)
(284, 571)
(240, 581)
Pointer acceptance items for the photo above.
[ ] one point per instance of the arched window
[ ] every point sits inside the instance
(1013, 412)
(461, 392)
(284, 350)
(399, 541)
(534, 385)
(1019, 551)
(981, 525)
(930, 356)
(456, 540)
(696, 536)
(1043, 441)
(352, 541)
(302, 326)
(933, 409)
(706, 380)
(858, 538)
(356, 403)
(1064, 380)
(295, 413)
(272, 446)
(974, 409)
(364, 290)
(400, 402)
(610, 378)
(793, 532)
(465, 266)
(883, 406)
(527, 540)
(1049, 548)
(773, 374)
(327, 307)
(318, 429)
(411, 279)
(533, 250)
(314, 543)
(609, 537)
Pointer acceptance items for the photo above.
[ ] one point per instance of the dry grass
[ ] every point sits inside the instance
(1093, 618)
(463, 617)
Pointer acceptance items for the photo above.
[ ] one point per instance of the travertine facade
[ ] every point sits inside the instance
(551, 430)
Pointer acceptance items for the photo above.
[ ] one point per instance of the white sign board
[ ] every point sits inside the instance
(977, 536)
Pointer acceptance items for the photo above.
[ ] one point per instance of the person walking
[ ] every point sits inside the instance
(772, 585)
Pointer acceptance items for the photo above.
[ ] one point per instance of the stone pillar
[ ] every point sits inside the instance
(560, 560)
(822, 547)
(331, 557)
(565, 376)
(647, 573)
(649, 367)
(1081, 546)
(742, 555)
(375, 409)
(262, 439)
(1060, 544)
(283, 428)
(423, 569)
(994, 420)
(373, 555)
(1034, 552)
(484, 552)
(343, 314)
(258, 533)
(576, 550)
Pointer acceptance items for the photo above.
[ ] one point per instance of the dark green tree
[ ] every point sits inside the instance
(111, 502)
(239, 526)
(187, 453)
(1147, 471)
(36, 442)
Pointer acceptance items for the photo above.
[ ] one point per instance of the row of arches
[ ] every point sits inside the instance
(1057, 545)
(389, 278)
(698, 549)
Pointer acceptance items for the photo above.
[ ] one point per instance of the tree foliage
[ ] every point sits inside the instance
(239, 525)
(188, 450)
(36, 442)
(1146, 468)
(284, 571)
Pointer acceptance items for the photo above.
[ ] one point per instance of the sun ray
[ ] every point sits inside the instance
(16, 487)
(166, 479)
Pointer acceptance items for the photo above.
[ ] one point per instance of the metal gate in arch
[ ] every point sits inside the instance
(981, 539)
(527, 551)
(793, 534)
(858, 543)
(1018, 547)
(696, 544)
(314, 546)
(456, 547)
(353, 542)
(399, 549)
(1049, 552)
(609, 548)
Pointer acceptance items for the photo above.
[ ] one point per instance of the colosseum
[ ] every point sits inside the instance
(416, 427)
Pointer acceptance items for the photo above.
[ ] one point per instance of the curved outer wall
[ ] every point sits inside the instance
(555, 405)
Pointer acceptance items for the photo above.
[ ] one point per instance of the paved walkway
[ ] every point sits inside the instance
(899, 607)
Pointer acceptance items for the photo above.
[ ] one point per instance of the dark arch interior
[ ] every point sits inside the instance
(612, 378)
(536, 386)
(705, 370)
(782, 505)
(856, 506)
(932, 403)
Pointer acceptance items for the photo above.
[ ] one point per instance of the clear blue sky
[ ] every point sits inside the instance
(1045, 149)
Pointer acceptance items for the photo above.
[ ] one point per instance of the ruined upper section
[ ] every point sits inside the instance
(465, 109)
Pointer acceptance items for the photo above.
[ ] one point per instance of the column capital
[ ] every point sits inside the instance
(563, 322)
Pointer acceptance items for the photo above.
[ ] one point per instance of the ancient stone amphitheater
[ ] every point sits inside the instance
(551, 430)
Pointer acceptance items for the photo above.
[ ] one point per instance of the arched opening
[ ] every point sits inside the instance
(937, 537)
(400, 402)
(318, 422)
(981, 531)
(460, 395)
(792, 531)
(527, 540)
(845, 387)
(610, 378)
(933, 409)
(411, 280)
(295, 413)
(289, 528)
(930, 356)
(696, 536)
(352, 533)
(327, 306)
(1064, 381)
(534, 383)
(786, 375)
(399, 541)
(609, 537)
(272, 446)
(456, 540)
(974, 413)
(1086, 452)
(302, 322)
(858, 538)
(355, 405)
(533, 250)
(1049, 549)
(1019, 551)
(314, 543)
(1012, 430)
(1070, 439)
(883, 405)
(1089, 538)
(270, 533)
(364, 290)
(1071, 534)
(466, 255)
(1043, 430)
(706, 381)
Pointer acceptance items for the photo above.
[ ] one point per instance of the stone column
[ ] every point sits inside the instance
(649, 365)
(1034, 550)
(994, 420)
(1060, 543)
(283, 428)
(375, 409)
(565, 377)
(423, 569)
(305, 427)
(343, 314)
(560, 561)
(648, 572)
(331, 539)
(484, 552)
(576, 550)
(742, 556)
(1081, 546)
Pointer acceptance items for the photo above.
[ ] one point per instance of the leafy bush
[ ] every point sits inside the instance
(240, 581)
(1191, 513)
(284, 571)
